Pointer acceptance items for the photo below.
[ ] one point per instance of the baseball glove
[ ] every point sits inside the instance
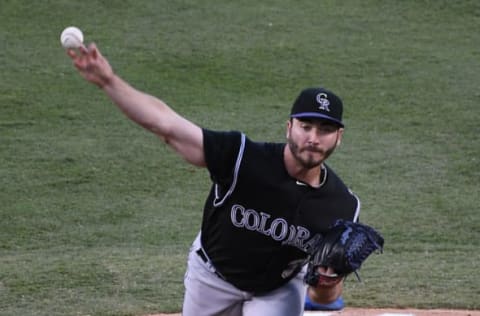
(344, 248)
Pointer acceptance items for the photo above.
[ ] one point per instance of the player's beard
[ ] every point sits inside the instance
(309, 157)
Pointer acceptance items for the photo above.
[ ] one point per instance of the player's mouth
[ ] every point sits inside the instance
(312, 149)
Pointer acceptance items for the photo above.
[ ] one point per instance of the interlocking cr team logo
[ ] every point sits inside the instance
(323, 101)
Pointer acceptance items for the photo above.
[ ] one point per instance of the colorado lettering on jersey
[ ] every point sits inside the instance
(277, 228)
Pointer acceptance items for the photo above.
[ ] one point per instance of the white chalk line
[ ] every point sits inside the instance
(310, 313)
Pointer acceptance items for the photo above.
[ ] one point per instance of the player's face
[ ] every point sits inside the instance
(312, 141)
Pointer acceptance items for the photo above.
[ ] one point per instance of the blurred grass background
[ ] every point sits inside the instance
(97, 215)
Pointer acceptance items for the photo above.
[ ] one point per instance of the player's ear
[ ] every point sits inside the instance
(289, 126)
(339, 137)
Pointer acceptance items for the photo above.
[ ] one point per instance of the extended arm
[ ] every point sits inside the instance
(153, 114)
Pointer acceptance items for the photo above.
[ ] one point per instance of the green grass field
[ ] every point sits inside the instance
(97, 215)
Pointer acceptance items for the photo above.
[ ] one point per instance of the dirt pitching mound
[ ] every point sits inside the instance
(350, 311)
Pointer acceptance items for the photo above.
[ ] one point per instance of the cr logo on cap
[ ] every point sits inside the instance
(323, 101)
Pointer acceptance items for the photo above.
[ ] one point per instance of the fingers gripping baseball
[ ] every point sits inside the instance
(91, 64)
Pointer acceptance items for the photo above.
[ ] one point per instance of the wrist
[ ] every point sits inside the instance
(106, 80)
(324, 295)
(109, 82)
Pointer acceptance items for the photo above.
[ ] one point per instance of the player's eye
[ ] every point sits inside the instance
(306, 127)
(327, 128)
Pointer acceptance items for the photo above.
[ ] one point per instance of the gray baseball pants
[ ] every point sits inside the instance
(207, 294)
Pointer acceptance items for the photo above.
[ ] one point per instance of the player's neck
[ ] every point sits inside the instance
(313, 177)
(310, 176)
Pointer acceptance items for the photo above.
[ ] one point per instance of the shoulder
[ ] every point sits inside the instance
(334, 180)
(222, 138)
(212, 135)
(267, 148)
(337, 187)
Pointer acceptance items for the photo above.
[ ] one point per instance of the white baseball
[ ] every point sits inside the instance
(71, 37)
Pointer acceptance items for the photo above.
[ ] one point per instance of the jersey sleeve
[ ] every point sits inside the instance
(222, 150)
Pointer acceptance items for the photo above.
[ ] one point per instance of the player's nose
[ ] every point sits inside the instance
(313, 137)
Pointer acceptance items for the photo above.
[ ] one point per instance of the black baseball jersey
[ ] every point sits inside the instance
(259, 223)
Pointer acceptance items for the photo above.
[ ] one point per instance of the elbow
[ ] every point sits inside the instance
(157, 129)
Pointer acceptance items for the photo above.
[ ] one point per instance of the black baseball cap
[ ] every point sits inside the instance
(318, 103)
